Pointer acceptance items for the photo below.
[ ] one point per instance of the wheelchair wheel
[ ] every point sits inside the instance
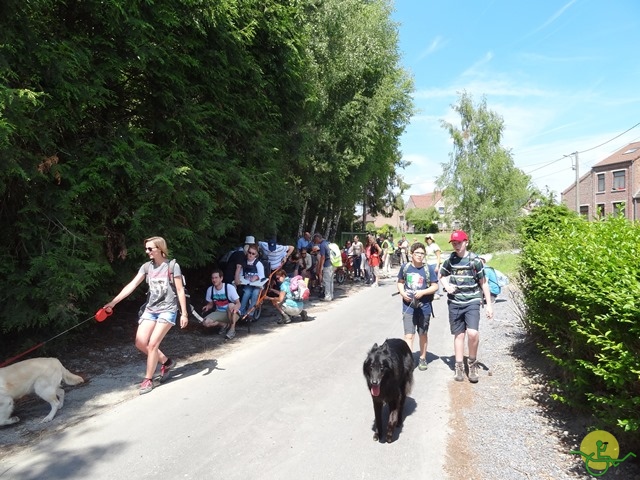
(340, 276)
(257, 312)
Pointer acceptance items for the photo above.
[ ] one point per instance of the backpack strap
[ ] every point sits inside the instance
(472, 264)
(172, 266)
(405, 267)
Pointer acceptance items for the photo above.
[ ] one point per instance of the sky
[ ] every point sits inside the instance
(563, 75)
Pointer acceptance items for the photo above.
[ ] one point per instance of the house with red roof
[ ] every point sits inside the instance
(398, 219)
(612, 186)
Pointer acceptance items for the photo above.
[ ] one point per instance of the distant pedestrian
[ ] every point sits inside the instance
(433, 257)
(387, 251)
(358, 249)
(464, 281)
(324, 267)
(373, 253)
(403, 244)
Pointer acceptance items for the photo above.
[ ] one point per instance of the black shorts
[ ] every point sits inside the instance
(463, 317)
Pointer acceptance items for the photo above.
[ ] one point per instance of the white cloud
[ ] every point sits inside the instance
(435, 45)
(555, 16)
(473, 69)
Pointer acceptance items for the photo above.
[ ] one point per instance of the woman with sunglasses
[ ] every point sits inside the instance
(165, 291)
(249, 271)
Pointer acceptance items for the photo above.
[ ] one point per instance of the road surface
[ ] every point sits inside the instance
(291, 404)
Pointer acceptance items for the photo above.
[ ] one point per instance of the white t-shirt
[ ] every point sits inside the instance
(223, 297)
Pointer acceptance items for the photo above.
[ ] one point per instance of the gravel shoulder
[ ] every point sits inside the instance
(509, 428)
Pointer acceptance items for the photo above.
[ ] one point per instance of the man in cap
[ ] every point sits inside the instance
(276, 253)
(234, 258)
(463, 279)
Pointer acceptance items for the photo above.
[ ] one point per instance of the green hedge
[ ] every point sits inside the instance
(581, 284)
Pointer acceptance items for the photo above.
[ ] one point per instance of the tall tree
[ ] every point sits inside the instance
(480, 181)
(360, 105)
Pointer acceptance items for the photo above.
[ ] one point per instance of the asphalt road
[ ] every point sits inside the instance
(289, 405)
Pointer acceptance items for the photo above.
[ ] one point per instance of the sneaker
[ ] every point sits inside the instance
(230, 335)
(224, 330)
(473, 372)
(304, 316)
(166, 368)
(422, 364)
(286, 318)
(146, 386)
(459, 376)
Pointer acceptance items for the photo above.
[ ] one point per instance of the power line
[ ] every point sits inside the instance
(611, 140)
(545, 165)
(583, 151)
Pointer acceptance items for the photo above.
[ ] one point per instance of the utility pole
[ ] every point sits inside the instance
(576, 167)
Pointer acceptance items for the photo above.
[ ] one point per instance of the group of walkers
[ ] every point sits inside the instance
(463, 279)
(461, 275)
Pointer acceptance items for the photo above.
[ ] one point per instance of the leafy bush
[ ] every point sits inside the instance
(581, 285)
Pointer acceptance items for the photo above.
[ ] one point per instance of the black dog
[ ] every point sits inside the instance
(389, 373)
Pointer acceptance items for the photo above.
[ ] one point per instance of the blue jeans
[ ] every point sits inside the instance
(249, 298)
(357, 262)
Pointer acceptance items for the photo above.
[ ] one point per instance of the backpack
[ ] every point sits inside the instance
(335, 255)
(190, 309)
(501, 279)
(299, 289)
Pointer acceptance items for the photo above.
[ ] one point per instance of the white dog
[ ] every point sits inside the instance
(38, 375)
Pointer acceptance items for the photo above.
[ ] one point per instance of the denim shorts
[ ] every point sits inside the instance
(162, 317)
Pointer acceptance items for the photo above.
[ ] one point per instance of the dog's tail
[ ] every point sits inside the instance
(71, 378)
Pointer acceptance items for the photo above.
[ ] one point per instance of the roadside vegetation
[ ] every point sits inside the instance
(202, 122)
(580, 285)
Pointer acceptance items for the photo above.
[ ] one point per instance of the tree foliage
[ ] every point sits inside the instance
(422, 218)
(480, 181)
(199, 121)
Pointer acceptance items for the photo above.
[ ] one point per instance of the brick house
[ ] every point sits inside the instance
(428, 200)
(612, 185)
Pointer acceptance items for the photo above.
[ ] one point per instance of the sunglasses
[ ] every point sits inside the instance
(150, 249)
(252, 253)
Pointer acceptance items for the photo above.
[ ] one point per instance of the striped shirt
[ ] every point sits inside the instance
(465, 273)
